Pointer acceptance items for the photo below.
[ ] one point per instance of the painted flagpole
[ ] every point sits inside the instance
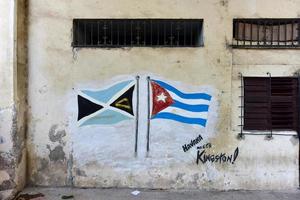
(137, 116)
(148, 122)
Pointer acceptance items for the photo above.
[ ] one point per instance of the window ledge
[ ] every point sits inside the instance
(274, 132)
(264, 47)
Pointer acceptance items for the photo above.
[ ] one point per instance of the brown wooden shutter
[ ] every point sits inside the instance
(284, 103)
(256, 102)
(270, 103)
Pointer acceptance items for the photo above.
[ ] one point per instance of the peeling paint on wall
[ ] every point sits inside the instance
(6, 160)
(7, 163)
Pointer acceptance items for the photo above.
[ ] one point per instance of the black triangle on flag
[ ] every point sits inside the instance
(124, 102)
(86, 107)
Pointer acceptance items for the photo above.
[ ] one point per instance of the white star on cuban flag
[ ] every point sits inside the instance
(161, 97)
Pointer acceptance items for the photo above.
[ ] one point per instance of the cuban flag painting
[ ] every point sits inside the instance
(173, 104)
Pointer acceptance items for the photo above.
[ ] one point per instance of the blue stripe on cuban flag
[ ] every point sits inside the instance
(190, 108)
(183, 95)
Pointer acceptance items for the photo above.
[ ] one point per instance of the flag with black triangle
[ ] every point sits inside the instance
(107, 106)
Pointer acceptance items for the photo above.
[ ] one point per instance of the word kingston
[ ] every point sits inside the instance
(217, 158)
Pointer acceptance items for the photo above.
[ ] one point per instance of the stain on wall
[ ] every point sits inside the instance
(56, 135)
(57, 154)
(1, 139)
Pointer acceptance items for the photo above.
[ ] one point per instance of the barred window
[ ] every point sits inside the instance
(266, 33)
(137, 33)
(271, 103)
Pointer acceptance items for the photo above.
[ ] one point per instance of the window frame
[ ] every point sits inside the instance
(115, 30)
(262, 23)
(296, 112)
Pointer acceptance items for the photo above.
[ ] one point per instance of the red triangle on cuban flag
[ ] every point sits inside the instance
(161, 98)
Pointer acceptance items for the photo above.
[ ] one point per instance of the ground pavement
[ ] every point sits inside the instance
(143, 194)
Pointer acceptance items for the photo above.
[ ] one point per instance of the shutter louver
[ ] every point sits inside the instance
(284, 103)
(256, 102)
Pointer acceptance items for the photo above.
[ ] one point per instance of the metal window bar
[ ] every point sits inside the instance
(272, 29)
(178, 30)
(298, 36)
(265, 33)
(85, 33)
(104, 35)
(285, 33)
(125, 42)
(184, 33)
(151, 30)
(298, 131)
(278, 34)
(77, 41)
(111, 33)
(191, 31)
(118, 30)
(98, 33)
(131, 34)
(292, 37)
(171, 31)
(270, 106)
(237, 32)
(258, 39)
(241, 134)
(165, 34)
(145, 34)
(138, 33)
(91, 33)
(244, 33)
(198, 33)
(251, 38)
(269, 33)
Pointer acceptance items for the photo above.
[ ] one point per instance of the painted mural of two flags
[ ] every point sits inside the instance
(115, 104)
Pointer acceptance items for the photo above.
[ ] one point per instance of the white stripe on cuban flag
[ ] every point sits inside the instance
(191, 108)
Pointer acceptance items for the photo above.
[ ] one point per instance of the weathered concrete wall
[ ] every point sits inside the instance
(62, 153)
(12, 104)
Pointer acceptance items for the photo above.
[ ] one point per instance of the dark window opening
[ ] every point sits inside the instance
(137, 33)
(266, 33)
(271, 103)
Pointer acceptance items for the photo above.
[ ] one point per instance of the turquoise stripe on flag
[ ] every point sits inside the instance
(105, 117)
(106, 94)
